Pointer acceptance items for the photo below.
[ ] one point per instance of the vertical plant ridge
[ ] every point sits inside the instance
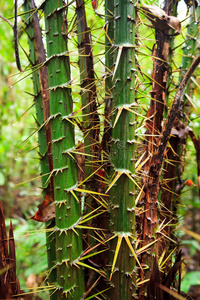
(70, 280)
(122, 155)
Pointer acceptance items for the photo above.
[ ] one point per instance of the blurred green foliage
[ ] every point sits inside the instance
(16, 114)
(30, 239)
(191, 278)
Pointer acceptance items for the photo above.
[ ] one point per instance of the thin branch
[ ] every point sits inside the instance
(14, 27)
(16, 40)
(7, 21)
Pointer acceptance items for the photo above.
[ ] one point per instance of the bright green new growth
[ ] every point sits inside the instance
(70, 281)
(123, 151)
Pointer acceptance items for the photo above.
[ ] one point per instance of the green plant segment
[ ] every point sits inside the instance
(122, 154)
(70, 282)
(32, 30)
(29, 29)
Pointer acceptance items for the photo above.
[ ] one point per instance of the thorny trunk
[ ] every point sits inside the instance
(43, 75)
(91, 123)
(174, 166)
(169, 166)
(122, 155)
(151, 179)
(70, 279)
(174, 112)
(41, 97)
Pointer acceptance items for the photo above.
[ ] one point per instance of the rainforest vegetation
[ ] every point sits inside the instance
(100, 149)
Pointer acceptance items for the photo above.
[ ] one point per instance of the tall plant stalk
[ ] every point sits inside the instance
(176, 153)
(70, 280)
(91, 131)
(168, 184)
(41, 98)
(91, 122)
(151, 178)
(122, 155)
